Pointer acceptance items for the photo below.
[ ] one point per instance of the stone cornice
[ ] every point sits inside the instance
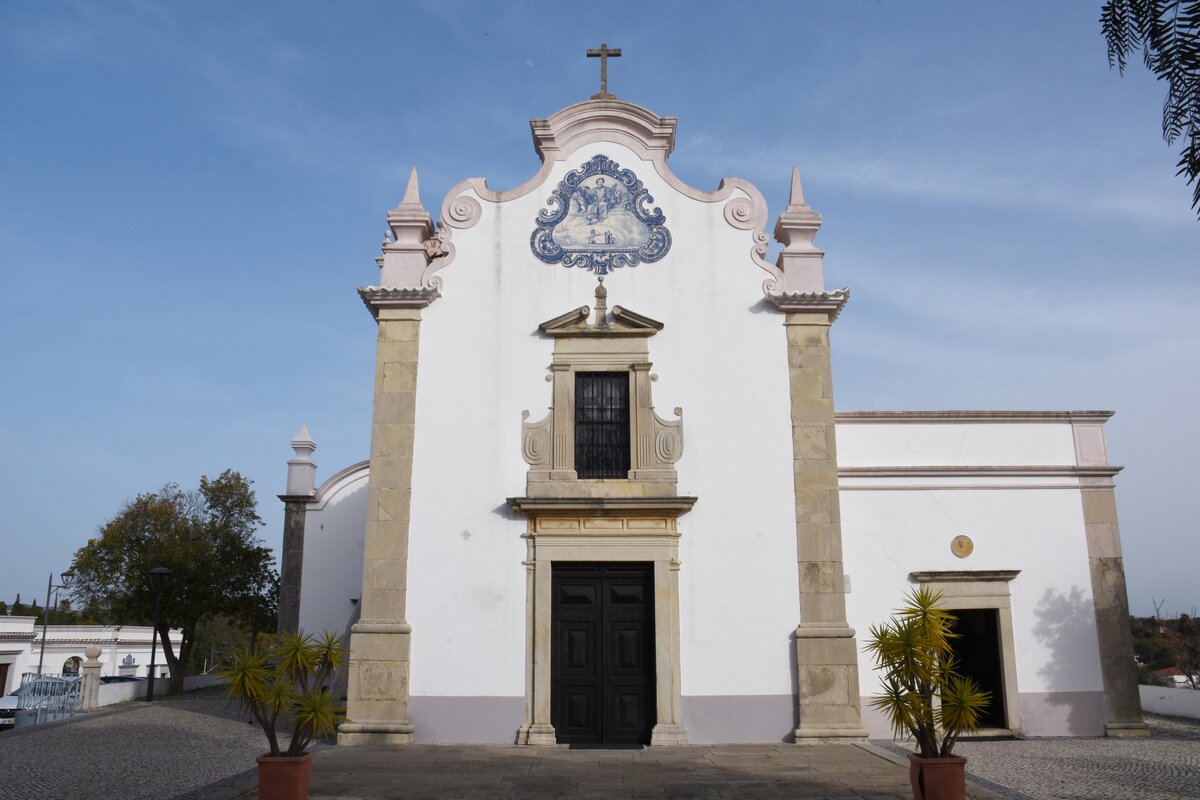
(975, 471)
(17, 636)
(377, 297)
(829, 303)
(963, 575)
(577, 125)
(571, 506)
(957, 417)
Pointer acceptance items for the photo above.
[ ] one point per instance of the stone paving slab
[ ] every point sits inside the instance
(766, 772)
(199, 747)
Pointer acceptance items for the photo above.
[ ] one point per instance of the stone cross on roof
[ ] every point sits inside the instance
(604, 53)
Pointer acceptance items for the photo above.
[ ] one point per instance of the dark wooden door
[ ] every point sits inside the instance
(602, 644)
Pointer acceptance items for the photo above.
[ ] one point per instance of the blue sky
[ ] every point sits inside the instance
(189, 194)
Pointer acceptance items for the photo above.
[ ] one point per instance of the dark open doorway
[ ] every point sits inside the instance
(977, 651)
(602, 643)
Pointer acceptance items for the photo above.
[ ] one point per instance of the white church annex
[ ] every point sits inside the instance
(609, 499)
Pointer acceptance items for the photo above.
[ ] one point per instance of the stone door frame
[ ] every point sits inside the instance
(984, 589)
(648, 533)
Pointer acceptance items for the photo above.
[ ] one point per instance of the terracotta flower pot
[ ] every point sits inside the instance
(938, 778)
(281, 778)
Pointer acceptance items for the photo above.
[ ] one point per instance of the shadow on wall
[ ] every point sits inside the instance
(1066, 627)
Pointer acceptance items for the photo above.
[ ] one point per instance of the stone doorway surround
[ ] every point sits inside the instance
(613, 529)
(984, 589)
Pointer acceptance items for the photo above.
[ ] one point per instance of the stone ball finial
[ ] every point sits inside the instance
(92, 652)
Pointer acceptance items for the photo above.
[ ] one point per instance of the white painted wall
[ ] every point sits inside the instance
(1170, 700)
(722, 357)
(334, 529)
(892, 526)
(21, 647)
(917, 444)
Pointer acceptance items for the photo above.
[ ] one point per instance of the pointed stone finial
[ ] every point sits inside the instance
(405, 252)
(303, 442)
(800, 259)
(412, 194)
(797, 196)
(601, 304)
(302, 472)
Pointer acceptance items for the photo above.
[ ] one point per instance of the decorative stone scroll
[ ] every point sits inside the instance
(537, 440)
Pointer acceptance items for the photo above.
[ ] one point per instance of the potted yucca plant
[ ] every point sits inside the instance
(288, 687)
(923, 695)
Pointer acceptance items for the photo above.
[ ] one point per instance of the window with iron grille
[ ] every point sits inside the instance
(602, 424)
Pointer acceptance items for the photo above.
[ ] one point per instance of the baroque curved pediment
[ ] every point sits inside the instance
(592, 124)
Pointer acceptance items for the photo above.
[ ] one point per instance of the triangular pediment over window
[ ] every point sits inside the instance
(623, 323)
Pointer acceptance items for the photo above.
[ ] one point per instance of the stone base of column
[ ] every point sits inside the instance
(827, 698)
(1123, 729)
(829, 735)
(667, 735)
(377, 691)
(537, 734)
(375, 733)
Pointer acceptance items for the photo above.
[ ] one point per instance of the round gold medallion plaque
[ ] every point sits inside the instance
(962, 546)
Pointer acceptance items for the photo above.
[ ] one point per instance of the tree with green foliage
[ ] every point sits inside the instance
(1168, 34)
(207, 538)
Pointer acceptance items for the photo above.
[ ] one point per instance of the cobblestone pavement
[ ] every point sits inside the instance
(139, 751)
(1164, 766)
(198, 746)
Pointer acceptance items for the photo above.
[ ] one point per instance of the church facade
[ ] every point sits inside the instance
(609, 498)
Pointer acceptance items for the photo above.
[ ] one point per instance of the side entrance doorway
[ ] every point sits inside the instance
(602, 643)
(977, 651)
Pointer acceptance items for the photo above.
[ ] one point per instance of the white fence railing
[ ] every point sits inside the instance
(49, 697)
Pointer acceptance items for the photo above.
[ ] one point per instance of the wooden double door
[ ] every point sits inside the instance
(602, 646)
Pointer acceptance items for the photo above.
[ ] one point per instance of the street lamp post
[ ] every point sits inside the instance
(50, 586)
(159, 577)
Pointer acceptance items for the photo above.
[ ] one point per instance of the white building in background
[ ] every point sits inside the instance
(539, 550)
(124, 649)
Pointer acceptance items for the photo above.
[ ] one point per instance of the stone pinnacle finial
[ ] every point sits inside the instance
(797, 195)
(301, 474)
(303, 443)
(601, 304)
(800, 259)
(412, 194)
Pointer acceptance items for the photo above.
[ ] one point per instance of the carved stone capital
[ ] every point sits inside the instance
(377, 297)
(830, 302)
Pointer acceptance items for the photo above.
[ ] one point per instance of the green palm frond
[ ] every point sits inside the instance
(289, 682)
(922, 693)
(247, 677)
(298, 655)
(317, 714)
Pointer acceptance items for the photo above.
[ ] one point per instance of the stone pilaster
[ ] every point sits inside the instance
(827, 693)
(381, 640)
(301, 478)
(1107, 567)
(826, 649)
(291, 562)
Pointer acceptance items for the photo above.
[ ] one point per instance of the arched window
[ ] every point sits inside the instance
(71, 665)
